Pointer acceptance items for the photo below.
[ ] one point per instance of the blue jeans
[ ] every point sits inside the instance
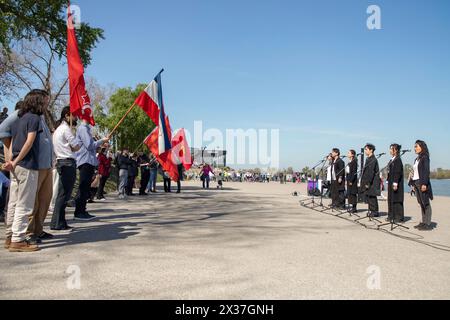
(152, 182)
(206, 182)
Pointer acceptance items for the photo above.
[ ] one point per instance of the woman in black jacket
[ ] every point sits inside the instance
(420, 181)
(352, 181)
(396, 189)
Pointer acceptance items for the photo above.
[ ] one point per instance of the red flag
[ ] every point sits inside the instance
(80, 103)
(165, 159)
(181, 150)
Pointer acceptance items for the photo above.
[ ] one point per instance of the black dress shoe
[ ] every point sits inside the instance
(425, 228)
(420, 225)
(33, 240)
(45, 236)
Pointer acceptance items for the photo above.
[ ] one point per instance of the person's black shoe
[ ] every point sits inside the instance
(33, 240)
(91, 201)
(84, 217)
(2, 218)
(178, 191)
(46, 236)
(425, 228)
(420, 225)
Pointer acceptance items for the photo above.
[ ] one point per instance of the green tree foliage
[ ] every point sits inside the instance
(32, 19)
(440, 174)
(137, 125)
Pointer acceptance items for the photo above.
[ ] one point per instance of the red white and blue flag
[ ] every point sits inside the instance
(151, 102)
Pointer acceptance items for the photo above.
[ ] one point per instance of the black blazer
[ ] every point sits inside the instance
(370, 180)
(424, 174)
(395, 175)
(339, 171)
(352, 177)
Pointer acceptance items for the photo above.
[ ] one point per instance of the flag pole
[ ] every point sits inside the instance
(121, 120)
(126, 114)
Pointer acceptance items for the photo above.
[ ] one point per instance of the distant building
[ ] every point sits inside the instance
(216, 158)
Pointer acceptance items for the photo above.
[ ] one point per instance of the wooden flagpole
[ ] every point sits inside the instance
(126, 114)
(121, 120)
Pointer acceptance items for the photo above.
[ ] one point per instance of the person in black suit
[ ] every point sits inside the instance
(420, 181)
(337, 180)
(352, 181)
(370, 181)
(396, 190)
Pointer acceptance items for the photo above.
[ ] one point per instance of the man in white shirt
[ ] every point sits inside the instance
(65, 145)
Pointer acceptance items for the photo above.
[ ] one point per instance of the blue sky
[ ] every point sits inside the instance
(310, 68)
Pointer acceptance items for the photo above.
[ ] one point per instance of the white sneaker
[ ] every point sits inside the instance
(101, 200)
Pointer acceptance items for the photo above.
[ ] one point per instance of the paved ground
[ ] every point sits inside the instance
(250, 241)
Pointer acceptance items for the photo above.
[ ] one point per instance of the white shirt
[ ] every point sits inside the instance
(347, 169)
(416, 171)
(394, 184)
(333, 173)
(329, 173)
(63, 139)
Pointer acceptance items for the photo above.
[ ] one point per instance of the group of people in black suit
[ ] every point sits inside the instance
(346, 185)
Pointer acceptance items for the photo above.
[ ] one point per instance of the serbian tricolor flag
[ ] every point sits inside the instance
(150, 100)
(80, 103)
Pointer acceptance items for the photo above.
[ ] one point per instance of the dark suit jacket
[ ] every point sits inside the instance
(339, 170)
(352, 178)
(395, 175)
(370, 180)
(424, 174)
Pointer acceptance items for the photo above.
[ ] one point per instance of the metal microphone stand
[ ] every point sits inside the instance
(313, 201)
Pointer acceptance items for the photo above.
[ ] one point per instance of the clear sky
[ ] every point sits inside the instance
(310, 68)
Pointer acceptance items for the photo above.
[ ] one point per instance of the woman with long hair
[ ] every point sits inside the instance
(420, 181)
(396, 195)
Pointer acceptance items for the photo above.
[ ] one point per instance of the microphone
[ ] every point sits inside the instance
(382, 154)
(406, 151)
(343, 157)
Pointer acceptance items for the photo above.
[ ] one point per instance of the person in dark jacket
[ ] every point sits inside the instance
(133, 170)
(144, 162)
(337, 180)
(352, 181)
(396, 189)
(420, 181)
(370, 181)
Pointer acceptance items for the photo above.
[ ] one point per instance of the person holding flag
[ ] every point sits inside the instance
(80, 106)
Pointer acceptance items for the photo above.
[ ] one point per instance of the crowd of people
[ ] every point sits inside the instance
(345, 182)
(40, 171)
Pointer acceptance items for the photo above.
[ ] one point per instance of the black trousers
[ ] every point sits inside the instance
(145, 178)
(101, 187)
(130, 185)
(373, 203)
(423, 198)
(337, 195)
(179, 185)
(67, 171)
(167, 185)
(84, 192)
(396, 211)
(352, 200)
